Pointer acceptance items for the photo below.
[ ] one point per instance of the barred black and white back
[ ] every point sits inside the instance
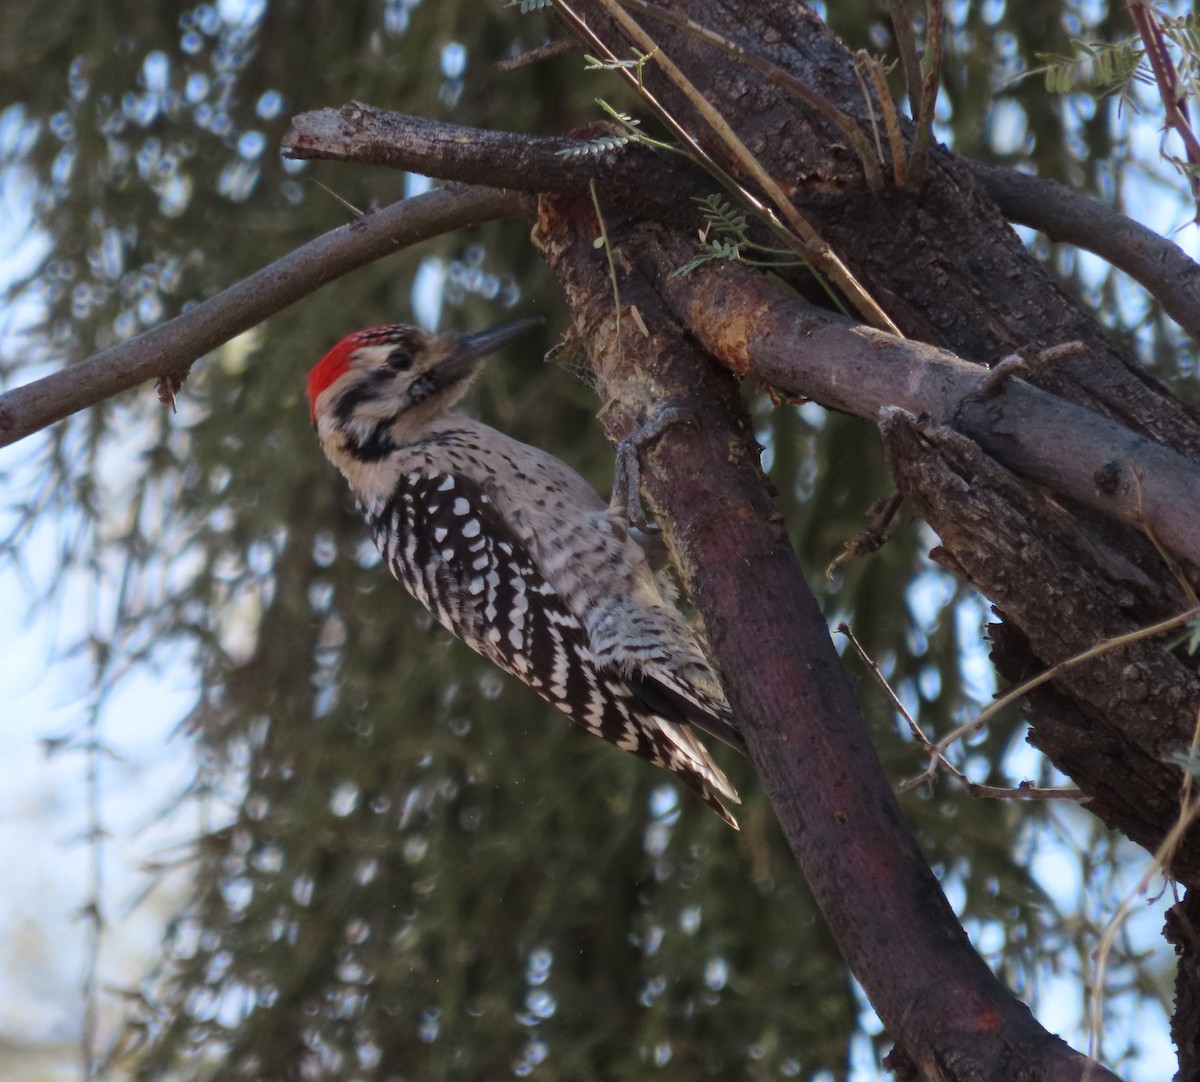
(513, 552)
(442, 538)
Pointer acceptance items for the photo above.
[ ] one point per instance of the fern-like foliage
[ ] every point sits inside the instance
(630, 133)
(598, 145)
(1104, 68)
(732, 239)
(592, 63)
(1099, 67)
(1184, 32)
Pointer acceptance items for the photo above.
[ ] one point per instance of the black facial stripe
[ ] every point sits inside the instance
(379, 444)
(370, 386)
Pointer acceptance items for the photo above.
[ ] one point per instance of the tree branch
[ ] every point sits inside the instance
(906, 250)
(528, 163)
(803, 350)
(1163, 268)
(1170, 89)
(1113, 725)
(660, 183)
(173, 347)
(948, 1014)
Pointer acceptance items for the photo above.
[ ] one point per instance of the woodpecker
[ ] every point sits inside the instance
(516, 554)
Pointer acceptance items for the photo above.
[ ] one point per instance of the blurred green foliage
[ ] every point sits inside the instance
(419, 871)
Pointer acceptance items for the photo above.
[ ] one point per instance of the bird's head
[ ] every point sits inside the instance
(379, 389)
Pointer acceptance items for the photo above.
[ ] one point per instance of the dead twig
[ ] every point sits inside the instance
(535, 56)
(1170, 90)
(906, 43)
(937, 752)
(891, 120)
(1024, 791)
(873, 538)
(931, 70)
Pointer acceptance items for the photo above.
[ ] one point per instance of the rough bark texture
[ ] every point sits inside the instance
(744, 321)
(944, 1008)
(1134, 702)
(1061, 582)
(982, 300)
(1183, 929)
(637, 176)
(947, 268)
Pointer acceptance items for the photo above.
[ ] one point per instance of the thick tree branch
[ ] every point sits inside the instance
(172, 348)
(530, 163)
(660, 183)
(1114, 724)
(1162, 267)
(904, 248)
(802, 350)
(947, 1012)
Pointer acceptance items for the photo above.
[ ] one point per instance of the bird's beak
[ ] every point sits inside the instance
(471, 347)
(462, 354)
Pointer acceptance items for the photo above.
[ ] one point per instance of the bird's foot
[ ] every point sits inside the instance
(627, 479)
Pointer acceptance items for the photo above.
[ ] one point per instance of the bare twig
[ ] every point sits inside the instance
(1025, 362)
(873, 538)
(906, 42)
(1024, 791)
(931, 69)
(535, 56)
(338, 198)
(173, 347)
(887, 107)
(1023, 689)
(1170, 90)
(864, 58)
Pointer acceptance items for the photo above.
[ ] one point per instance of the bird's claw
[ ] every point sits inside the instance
(627, 478)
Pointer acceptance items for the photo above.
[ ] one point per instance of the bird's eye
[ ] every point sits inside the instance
(400, 360)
